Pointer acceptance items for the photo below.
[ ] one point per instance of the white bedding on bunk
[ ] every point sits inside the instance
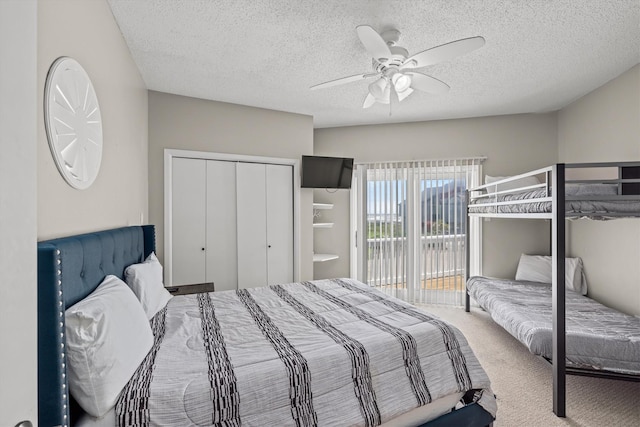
(597, 337)
(595, 209)
(335, 352)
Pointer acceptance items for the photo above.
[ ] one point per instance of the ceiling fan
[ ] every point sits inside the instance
(393, 66)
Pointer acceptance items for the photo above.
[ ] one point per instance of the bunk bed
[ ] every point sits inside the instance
(548, 193)
(371, 356)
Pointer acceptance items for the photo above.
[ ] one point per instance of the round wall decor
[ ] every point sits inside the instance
(73, 122)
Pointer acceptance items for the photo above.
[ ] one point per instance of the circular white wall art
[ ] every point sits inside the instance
(73, 122)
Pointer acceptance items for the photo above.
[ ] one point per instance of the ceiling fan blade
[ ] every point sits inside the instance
(443, 52)
(369, 101)
(343, 80)
(427, 83)
(373, 42)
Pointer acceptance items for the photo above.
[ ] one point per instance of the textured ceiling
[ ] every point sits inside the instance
(539, 55)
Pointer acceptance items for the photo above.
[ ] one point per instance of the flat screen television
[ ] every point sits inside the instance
(326, 172)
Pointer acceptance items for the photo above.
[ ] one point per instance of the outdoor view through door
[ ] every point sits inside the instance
(410, 221)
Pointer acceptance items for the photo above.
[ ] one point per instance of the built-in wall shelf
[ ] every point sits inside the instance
(324, 257)
(322, 206)
(322, 224)
(316, 215)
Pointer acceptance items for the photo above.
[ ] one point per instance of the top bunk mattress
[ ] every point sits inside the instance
(596, 201)
(597, 337)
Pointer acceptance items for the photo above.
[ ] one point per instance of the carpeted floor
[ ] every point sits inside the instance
(522, 381)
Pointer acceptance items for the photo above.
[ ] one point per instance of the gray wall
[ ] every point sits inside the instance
(18, 307)
(512, 144)
(36, 202)
(87, 32)
(194, 124)
(604, 126)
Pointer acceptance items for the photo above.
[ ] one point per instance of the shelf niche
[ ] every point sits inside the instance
(324, 257)
(316, 207)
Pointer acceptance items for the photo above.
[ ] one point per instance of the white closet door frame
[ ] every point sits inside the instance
(169, 154)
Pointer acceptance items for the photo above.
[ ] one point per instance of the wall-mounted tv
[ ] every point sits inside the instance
(326, 172)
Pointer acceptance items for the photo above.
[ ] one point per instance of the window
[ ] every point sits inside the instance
(413, 218)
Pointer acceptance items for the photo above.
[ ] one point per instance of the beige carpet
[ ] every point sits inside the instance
(522, 381)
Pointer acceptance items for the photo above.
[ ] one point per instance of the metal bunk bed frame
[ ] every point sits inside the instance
(555, 193)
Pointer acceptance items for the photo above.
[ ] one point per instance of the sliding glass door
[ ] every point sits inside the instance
(410, 221)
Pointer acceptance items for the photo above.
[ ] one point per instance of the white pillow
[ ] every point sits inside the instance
(511, 185)
(145, 280)
(108, 336)
(537, 268)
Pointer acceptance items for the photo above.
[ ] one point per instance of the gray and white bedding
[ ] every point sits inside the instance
(595, 209)
(597, 337)
(327, 352)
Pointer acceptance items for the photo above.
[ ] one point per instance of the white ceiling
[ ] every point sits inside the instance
(539, 55)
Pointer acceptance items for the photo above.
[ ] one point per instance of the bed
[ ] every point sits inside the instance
(256, 351)
(548, 193)
(597, 337)
(594, 201)
(531, 194)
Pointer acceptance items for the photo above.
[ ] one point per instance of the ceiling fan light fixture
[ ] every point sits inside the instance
(380, 90)
(393, 67)
(403, 95)
(401, 82)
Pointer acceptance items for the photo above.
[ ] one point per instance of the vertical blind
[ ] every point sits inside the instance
(410, 225)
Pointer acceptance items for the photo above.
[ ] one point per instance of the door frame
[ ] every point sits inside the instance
(170, 154)
(21, 146)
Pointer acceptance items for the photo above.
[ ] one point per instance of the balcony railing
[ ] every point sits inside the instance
(441, 259)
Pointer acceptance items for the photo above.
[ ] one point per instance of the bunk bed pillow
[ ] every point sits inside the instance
(108, 336)
(145, 279)
(538, 268)
(511, 185)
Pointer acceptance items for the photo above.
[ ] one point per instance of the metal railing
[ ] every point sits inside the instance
(439, 256)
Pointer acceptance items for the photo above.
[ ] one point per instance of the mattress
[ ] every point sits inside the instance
(328, 352)
(595, 209)
(597, 337)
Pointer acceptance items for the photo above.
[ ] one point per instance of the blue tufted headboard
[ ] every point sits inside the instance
(69, 269)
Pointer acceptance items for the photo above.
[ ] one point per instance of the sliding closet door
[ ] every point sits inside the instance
(222, 250)
(188, 221)
(279, 190)
(252, 224)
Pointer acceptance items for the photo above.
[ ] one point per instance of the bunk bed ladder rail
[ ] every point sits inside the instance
(467, 243)
(558, 240)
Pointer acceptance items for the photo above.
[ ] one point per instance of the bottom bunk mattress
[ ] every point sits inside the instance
(328, 352)
(597, 337)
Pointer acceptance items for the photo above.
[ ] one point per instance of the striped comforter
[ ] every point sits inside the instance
(328, 352)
